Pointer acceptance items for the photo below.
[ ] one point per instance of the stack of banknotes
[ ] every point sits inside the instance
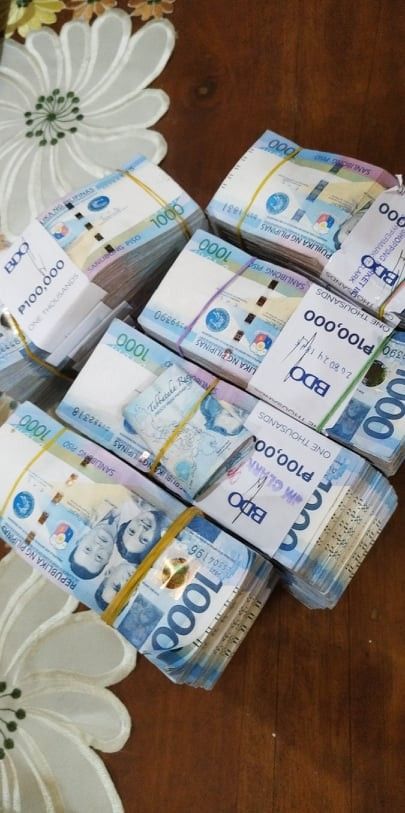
(197, 438)
(90, 257)
(299, 206)
(181, 590)
(334, 532)
(369, 267)
(292, 343)
(299, 498)
(25, 373)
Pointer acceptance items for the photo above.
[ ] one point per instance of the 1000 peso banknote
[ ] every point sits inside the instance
(88, 522)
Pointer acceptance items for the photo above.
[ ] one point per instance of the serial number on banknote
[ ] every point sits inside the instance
(215, 565)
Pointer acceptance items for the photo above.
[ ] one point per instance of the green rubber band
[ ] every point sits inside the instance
(354, 383)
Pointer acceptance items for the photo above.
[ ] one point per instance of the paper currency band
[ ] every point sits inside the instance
(28, 465)
(33, 356)
(180, 426)
(123, 596)
(209, 301)
(383, 306)
(353, 384)
(259, 189)
(158, 199)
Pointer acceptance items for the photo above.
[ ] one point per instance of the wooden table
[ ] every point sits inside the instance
(309, 717)
(310, 714)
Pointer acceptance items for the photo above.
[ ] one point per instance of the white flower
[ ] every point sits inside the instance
(76, 105)
(53, 704)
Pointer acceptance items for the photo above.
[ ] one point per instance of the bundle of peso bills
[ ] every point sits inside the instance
(132, 363)
(298, 498)
(92, 256)
(334, 532)
(369, 267)
(298, 206)
(221, 307)
(290, 342)
(197, 438)
(24, 373)
(373, 421)
(329, 369)
(177, 587)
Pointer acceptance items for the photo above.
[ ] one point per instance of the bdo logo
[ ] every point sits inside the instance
(247, 507)
(16, 258)
(309, 380)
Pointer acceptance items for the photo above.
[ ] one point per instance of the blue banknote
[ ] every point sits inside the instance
(87, 521)
(205, 446)
(373, 422)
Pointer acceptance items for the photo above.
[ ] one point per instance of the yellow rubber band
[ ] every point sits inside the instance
(158, 199)
(28, 465)
(259, 189)
(180, 426)
(121, 599)
(32, 355)
(381, 309)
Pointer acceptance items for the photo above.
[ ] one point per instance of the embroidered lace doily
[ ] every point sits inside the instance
(76, 105)
(54, 667)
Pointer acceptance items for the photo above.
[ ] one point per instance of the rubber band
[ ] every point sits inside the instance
(180, 426)
(360, 375)
(32, 355)
(209, 301)
(28, 465)
(259, 189)
(158, 199)
(121, 599)
(382, 308)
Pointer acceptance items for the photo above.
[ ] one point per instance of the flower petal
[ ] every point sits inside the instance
(16, 15)
(114, 150)
(32, 787)
(42, 189)
(82, 779)
(6, 786)
(9, 131)
(82, 646)
(144, 59)
(31, 184)
(19, 175)
(31, 610)
(13, 94)
(23, 590)
(52, 182)
(72, 172)
(14, 573)
(75, 44)
(110, 38)
(44, 46)
(21, 68)
(95, 713)
(141, 111)
(86, 163)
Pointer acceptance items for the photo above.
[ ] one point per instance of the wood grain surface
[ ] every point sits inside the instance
(309, 717)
